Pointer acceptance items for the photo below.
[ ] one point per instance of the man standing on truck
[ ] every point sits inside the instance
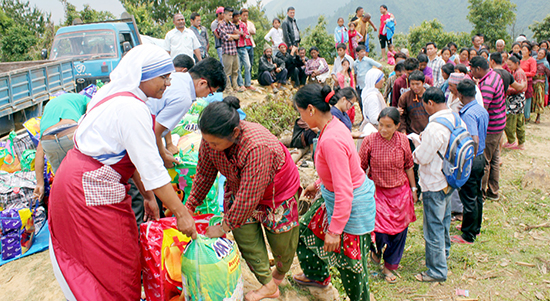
(181, 40)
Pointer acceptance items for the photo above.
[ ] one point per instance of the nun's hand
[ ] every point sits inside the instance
(151, 210)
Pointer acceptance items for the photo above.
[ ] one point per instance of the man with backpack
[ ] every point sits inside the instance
(476, 119)
(436, 192)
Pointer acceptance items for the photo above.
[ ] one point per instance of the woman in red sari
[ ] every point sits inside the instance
(387, 157)
(94, 236)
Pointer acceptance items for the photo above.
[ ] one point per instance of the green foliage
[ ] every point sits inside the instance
(274, 114)
(16, 44)
(541, 30)
(22, 14)
(257, 15)
(319, 37)
(5, 22)
(86, 15)
(143, 13)
(491, 18)
(432, 31)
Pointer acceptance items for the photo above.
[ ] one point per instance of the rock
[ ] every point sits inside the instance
(536, 178)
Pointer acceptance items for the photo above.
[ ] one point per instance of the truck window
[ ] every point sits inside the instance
(84, 44)
(125, 37)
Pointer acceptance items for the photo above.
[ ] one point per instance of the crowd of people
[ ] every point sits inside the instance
(363, 201)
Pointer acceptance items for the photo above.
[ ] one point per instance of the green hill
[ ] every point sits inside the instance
(452, 14)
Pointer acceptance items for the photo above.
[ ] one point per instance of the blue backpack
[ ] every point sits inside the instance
(458, 160)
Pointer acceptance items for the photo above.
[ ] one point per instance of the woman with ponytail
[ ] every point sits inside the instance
(336, 229)
(341, 102)
(261, 191)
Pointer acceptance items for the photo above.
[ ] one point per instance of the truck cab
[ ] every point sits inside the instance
(95, 48)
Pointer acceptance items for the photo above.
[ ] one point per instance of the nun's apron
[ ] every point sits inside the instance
(94, 236)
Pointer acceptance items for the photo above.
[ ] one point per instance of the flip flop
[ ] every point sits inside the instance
(254, 296)
(308, 282)
(390, 278)
(423, 277)
(372, 258)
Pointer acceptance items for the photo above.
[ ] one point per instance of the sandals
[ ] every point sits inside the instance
(254, 296)
(423, 277)
(390, 278)
(308, 282)
(458, 239)
(374, 260)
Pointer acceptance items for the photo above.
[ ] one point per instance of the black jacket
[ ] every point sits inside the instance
(289, 60)
(265, 65)
(288, 32)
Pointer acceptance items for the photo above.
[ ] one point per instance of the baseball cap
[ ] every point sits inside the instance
(219, 10)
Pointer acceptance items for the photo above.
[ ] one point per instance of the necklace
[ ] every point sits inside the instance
(323, 130)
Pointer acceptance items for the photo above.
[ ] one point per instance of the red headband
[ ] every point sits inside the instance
(329, 96)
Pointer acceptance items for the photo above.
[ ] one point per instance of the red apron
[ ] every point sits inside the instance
(93, 228)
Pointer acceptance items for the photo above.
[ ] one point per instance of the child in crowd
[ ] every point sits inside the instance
(340, 33)
(275, 36)
(362, 65)
(391, 55)
(397, 72)
(354, 38)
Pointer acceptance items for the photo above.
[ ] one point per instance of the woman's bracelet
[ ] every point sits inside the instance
(414, 189)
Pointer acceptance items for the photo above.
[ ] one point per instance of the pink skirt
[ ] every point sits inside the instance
(394, 209)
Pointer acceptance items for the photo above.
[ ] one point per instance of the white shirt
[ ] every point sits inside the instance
(175, 101)
(275, 35)
(435, 137)
(119, 126)
(373, 104)
(338, 64)
(178, 42)
(252, 31)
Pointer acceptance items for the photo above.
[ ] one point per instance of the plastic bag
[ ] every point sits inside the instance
(211, 270)
(27, 162)
(17, 232)
(10, 163)
(161, 247)
(187, 125)
(33, 128)
(198, 106)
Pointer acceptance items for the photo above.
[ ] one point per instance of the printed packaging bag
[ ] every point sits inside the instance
(161, 247)
(187, 125)
(211, 270)
(17, 232)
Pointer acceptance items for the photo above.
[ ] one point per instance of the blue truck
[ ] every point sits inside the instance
(81, 55)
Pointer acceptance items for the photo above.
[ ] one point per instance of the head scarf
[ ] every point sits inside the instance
(142, 63)
(372, 77)
(455, 78)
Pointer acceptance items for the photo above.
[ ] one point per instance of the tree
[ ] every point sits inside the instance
(22, 14)
(433, 31)
(86, 15)
(257, 15)
(17, 43)
(541, 30)
(319, 37)
(491, 18)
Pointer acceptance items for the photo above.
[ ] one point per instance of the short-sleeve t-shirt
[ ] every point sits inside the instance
(175, 102)
(507, 78)
(66, 106)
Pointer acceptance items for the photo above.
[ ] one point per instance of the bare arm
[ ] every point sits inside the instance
(170, 199)
(197, 53)
(412, 183)
(39, 170)
(166, 156)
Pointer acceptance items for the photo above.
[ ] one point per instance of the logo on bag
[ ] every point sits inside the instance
(222, 247)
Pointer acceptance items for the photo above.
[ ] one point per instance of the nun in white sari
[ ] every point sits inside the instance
(373, 100)
(94, 236)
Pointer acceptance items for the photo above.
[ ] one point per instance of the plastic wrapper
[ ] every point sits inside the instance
(187, 125)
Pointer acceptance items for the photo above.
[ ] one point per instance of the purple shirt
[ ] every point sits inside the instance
(492, 90)
(428, 72)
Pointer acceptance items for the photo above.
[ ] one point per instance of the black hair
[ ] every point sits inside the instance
(183, 61)
(399, 67)
(360, 47)
(431, 43)
(422, 58)
(528, 45)
(479, 61)
(467, 87)
(417, 75)
(210, 69)
(515, 58)
(476, 35)
(348, 92)
(236, 13)
(340, 18)
(461, 68)
(358, 9)
(301, 48)
(496, 57)
(434, 94)
(314, 48)
(384, 6)
(349, 63)
(341, 45)
(448, 68)
(445, 49)
(313, 94)
(483, 50)
(220, 118)
(275, 19)
(228, 9)
(392, 113)
(194, 15)
(422, 50)
(452, 44)
(516, 43)
(464, 49)
(472, 48)
(289, 9)
(400, 55)
(411, 64)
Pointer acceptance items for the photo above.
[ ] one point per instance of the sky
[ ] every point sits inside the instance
(56, 8)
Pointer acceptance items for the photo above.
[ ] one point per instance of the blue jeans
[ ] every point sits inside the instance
(250, 51)
(527, 108)
(244, 63)
(220, 53)
(437, 221)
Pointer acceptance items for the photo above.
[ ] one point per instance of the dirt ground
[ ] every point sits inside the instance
(510, 260)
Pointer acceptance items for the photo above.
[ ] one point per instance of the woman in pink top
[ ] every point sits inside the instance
(529, 66)
(336, 229)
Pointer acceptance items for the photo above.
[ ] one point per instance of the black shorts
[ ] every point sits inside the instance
(383, 41)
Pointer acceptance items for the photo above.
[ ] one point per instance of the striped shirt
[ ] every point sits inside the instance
(492, 90)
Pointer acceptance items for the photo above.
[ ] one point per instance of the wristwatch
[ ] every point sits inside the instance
(414, 189)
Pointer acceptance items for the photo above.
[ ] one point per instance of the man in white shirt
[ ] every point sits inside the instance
(181, 40)
(205, 78)
(436, 193)
(435, 62)
(341, 50)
